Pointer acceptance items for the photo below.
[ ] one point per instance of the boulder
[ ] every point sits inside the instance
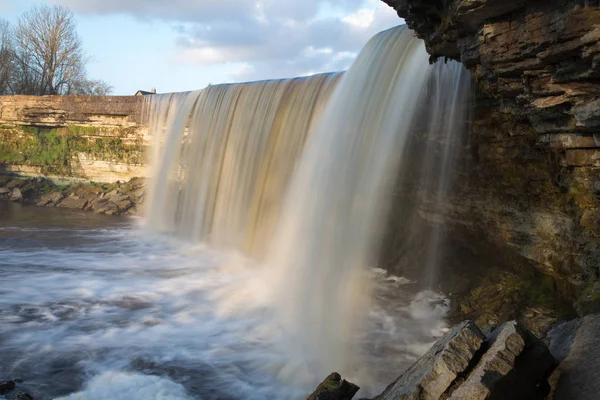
(579, 343)
(508, 363)
(498, 375)
(16, 195)
(433, 374)
(334, 388)
(73, 202)
(50, 199)
(7, 386)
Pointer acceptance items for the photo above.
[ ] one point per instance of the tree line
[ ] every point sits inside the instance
(43, 54)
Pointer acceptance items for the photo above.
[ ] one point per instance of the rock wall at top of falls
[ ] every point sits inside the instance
(527, 184)
(97, 138)
(541, 58)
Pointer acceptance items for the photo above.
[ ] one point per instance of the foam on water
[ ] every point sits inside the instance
(112, 313)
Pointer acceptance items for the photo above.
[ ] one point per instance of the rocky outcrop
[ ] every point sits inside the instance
(577, 346)
(434, 373)
(56, 111)
(526, 191)
(97, 138)
(8, 387)
(507, 363)
(334, 388)
(120, 198)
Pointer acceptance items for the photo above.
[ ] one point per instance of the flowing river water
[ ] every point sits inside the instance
(93, 307)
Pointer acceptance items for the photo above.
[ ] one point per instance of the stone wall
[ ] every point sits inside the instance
(95, 138)
(527, 188)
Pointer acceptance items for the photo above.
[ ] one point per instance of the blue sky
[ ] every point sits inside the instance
(178, 45)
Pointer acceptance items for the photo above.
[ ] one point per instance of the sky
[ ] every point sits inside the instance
(179, 45)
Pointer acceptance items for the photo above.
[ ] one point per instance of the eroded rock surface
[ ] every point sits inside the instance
(526, 188)
(121, 198)
(433, 373)
(577, 343)
(508, 363)
(334, 388)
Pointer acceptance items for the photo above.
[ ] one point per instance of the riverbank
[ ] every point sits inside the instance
(119, 198)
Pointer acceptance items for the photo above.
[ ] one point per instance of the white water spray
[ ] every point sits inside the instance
(232, 168)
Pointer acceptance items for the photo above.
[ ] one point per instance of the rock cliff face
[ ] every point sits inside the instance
(98, 138)
(528, 177)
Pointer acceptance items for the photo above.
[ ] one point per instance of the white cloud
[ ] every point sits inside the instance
(362, 18)
(263, 38)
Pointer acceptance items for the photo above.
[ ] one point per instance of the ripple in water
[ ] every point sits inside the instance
(91, 308)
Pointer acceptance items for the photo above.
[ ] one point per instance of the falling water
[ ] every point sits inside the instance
(297, 174)
(225, 156)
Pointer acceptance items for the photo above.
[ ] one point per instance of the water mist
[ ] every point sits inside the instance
(298, 174)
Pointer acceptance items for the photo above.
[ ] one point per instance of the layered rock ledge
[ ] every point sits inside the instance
(527, 184)
(507, 362)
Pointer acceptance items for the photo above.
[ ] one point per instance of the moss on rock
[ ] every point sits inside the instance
(55, 150)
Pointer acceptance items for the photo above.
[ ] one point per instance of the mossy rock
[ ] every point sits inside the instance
(589, 300)
(334, 388)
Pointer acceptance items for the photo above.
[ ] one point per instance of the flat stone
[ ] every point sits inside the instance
(73, 202)
(4, 190)
(433, 373)
(334, 388)
(50, 199)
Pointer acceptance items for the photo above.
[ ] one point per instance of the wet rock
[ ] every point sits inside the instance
(7, 386)
(22, 396)
(109, 199)
(498, 375)
(589, 300)
(50, 199)
(579, 370)
(133, 303)
(16, 195)
(73, 202)
(562, 337)
(334, 388)
(433, 373)
(509, 363)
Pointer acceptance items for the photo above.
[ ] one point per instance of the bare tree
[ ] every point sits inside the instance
(89, 87)
(6, 57)
(48, 51)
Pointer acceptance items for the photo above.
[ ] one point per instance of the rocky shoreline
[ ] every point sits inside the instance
(120, 198)
(507, 362)
(467, 363)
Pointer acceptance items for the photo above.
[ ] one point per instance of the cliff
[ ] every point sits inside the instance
(527, 186)
(98, 138)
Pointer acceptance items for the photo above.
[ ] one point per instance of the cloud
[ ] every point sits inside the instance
(262, 38)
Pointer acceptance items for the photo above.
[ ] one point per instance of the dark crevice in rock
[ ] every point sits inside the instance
(462, 376)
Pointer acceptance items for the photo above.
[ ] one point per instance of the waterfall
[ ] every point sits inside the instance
(298, 174)
(224, 156)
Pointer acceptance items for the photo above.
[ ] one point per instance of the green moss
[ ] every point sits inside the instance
(83, 130)
(504, 295)
(54, 149)
(589, 300)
